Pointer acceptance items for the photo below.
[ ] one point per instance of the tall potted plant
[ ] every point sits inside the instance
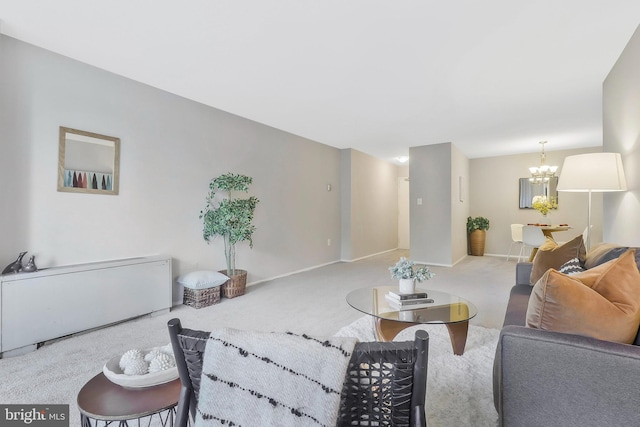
(230, 218)
(476, 230)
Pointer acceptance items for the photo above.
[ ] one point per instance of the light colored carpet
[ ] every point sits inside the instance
(459, 388)
(312, 302)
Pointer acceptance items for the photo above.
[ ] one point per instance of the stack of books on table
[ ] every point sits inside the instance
(413, 301)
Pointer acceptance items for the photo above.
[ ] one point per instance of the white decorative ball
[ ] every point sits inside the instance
(161, 363)
(129, 357)
(137, 367)
(152, 354)
(168, 349)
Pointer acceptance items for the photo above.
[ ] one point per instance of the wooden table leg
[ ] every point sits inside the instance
(386, 330)
(458, 334)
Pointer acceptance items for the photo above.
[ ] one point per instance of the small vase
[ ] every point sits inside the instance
(407, 286)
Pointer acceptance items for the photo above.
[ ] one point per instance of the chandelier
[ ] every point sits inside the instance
(543, 173)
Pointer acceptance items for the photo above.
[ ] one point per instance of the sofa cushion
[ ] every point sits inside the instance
(552, 255)
(603, 302)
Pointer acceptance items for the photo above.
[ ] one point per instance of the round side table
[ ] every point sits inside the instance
(101, 401)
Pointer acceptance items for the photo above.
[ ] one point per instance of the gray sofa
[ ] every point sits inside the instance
(544, 378)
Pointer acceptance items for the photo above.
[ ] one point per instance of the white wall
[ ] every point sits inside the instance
(621, 124)
(170, 149)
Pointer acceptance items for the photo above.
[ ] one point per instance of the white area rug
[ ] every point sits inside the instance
(459, 388)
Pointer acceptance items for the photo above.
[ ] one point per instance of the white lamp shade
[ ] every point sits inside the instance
(597, 172)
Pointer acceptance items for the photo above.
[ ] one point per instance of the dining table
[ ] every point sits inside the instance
(548, 230)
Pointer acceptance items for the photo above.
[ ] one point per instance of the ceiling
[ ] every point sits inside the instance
(493, 77)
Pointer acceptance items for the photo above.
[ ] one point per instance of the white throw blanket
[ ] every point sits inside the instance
(255, 378)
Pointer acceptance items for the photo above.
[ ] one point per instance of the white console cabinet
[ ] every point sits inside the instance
(59, 301)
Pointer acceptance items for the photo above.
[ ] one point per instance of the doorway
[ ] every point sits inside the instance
(403, 213)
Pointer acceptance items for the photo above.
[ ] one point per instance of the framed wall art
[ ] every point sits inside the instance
(88, 162)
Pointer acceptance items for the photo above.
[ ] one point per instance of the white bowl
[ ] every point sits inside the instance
(113, 372)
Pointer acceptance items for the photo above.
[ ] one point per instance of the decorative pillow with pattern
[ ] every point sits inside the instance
(572, 266)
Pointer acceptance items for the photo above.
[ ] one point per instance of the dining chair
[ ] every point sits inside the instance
(585, 234)
(533, 237)
(516, 238)
(385, 383)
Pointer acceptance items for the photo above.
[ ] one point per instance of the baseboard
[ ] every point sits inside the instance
(292, 273)
(524, 258)
(369, 256)
(317, 266)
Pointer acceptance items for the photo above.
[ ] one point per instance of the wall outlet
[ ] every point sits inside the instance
(328, 242)
(419, 201)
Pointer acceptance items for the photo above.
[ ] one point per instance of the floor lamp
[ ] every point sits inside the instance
(593, 172)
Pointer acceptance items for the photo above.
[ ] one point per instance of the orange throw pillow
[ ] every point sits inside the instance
(603, 302)
(550, 255)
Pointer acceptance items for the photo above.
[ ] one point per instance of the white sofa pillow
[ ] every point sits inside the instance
(202, 279)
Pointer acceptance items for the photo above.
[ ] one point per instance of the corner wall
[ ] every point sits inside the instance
(621, 134)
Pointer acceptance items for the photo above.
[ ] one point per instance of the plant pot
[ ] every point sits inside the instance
(236, 285)
(476, 242)
(407, 286)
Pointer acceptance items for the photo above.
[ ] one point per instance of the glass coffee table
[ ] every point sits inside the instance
(447, 309)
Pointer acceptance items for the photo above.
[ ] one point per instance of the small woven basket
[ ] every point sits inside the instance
(198, 298)
(236, 285)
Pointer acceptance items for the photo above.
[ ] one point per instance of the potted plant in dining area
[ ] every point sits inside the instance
(476, 230)
(230, 218)
(406, 275)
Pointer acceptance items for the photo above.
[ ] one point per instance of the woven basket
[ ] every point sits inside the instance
(236, 285)
(198, 298)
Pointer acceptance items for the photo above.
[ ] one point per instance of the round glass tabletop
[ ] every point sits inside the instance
(445, 308)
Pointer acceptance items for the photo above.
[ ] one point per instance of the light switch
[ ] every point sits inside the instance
(419, 201)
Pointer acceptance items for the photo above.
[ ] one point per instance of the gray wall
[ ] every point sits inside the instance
(170, 149)
(621, 124)
(439, 175)
(430, 172)
(13, 157)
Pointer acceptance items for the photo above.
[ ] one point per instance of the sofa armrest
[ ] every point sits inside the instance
(523, 273)
(544, 378)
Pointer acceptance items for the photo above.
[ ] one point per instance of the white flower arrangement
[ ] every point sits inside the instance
(404, 270)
